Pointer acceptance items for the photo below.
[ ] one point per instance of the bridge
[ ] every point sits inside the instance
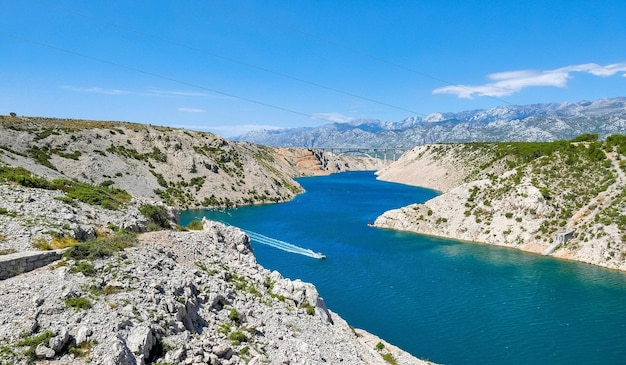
(393, 153)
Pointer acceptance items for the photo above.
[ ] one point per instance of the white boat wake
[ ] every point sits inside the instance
(281, 245)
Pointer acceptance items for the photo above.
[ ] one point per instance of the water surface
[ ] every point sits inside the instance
(451, 302)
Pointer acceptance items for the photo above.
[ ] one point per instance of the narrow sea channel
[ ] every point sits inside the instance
(450, 302)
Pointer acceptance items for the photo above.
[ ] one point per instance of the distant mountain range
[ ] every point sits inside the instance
(536, 122)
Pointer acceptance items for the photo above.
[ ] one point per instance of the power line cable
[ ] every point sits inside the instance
(158, 76)
(225, 58)
(357, 51)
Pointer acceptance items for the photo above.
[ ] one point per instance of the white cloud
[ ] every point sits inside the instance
(177, 93)
(507, 83)
(191, 110)
(333, 117)
(97, 90)
(185, 94)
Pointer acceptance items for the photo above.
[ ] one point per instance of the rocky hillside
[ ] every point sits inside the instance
(132, 287)
(538, 122)
(174, 298)
(521, 195)
(182, 168)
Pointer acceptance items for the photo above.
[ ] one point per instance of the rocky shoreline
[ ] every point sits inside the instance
(132, 287)
(483, 200)
(195, 297)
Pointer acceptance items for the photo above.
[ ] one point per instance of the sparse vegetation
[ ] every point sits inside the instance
(568, 180)
(237, 338)
(106, 197)
(78, 303)
(195, 225)
(157, 214)
(101, 247)
(32, 342)
(310, 310)
(6, 251)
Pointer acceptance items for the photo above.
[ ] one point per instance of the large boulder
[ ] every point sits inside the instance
(140, 341)
(113, 352)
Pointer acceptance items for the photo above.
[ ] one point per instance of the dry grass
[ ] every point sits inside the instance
(37, 122)
(63, 242)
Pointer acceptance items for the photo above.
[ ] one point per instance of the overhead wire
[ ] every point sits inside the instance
(358, 51)
(225, 58)
(159, 76)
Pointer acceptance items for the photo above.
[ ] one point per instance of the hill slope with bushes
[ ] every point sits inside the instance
(521, 194)
(182, 168)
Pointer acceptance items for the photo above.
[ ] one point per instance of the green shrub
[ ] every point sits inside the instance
(41, 243)
(587, 137)
(79, 303)
(156, 213)
(238, 337)
(4, 211)
(388, 357)
(107, 183)
(106, 197)
(67, 200)
(195, 225)
(310, 310)
(83, 349)
(23, 177)
(41, 156)
(234, 315)
(84, 267)
(101, 247)
(33, 342)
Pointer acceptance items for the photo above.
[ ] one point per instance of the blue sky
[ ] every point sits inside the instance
(230, 66)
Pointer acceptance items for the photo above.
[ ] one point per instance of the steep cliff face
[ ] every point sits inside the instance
(182, 168)
(520, 195)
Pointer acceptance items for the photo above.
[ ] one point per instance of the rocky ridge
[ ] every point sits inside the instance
(490, 197)
(537, 122)
(181, 168)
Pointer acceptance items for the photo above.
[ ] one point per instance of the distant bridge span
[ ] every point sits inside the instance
(393, 153)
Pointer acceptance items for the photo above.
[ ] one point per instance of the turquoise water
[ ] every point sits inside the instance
(451, 302)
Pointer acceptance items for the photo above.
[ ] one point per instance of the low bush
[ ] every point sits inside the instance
(310, 310)
(79, 303)
(234, 315)
(156, 213)
(195, 225)
(104, 196)
(237, 338)
(41, 243)
(63, 242)
(33, 342)
(84, 267)
(101, 247)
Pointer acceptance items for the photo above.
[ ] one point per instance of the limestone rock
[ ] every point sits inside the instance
(59, 341)
(140, 341)
(82, 335)
(44, 352)
(114, 352)
(223, 351)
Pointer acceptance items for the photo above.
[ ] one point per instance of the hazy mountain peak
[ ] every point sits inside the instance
(535, 122)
